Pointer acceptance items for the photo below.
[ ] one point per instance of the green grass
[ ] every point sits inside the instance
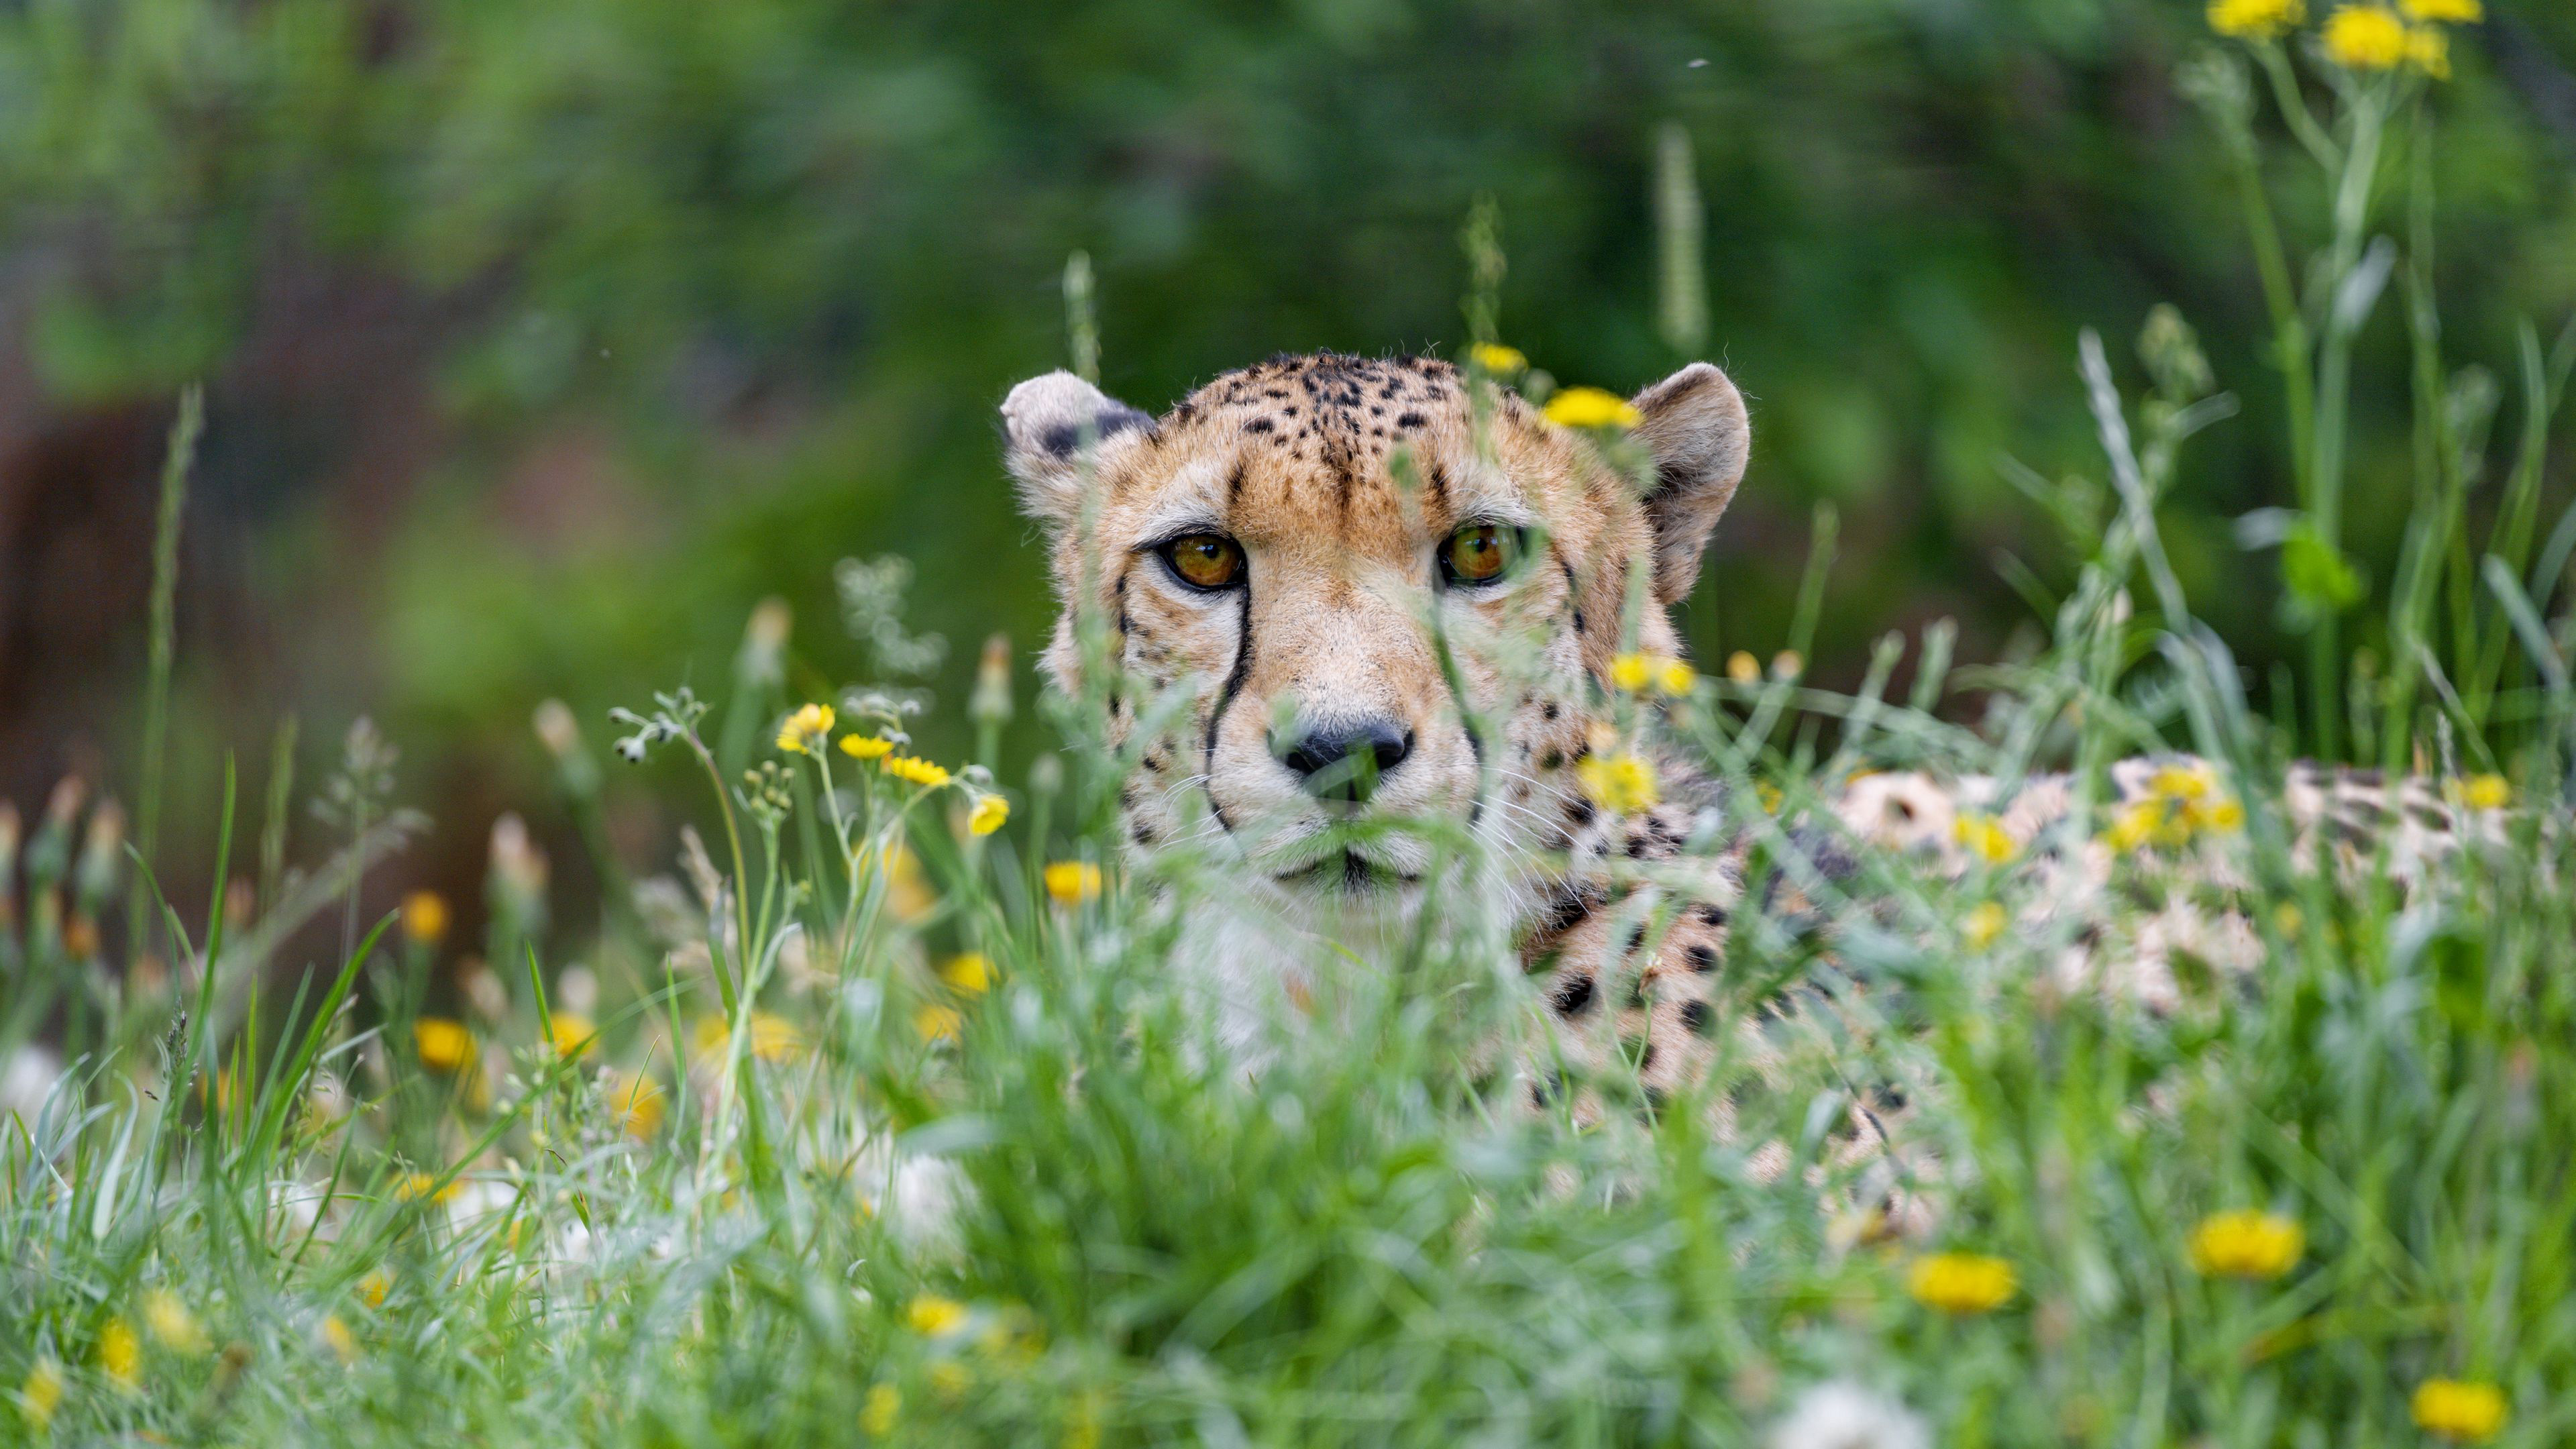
(868, 1201)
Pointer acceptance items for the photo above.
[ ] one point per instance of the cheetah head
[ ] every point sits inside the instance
(1361, 598)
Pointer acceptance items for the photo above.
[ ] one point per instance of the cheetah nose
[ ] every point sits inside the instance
(1345, 763)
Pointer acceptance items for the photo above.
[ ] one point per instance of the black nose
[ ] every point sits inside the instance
(1337, 762)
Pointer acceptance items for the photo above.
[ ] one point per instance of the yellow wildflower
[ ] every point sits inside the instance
(2182, 782)
(2428, 49)
(41, 1394)
(2225, 815)
(1743, 668)
(2448, 12)
(971, 974)
(917, 771)
(1623, 784)
(424, 918)
(172, 1323)
(1590, 407)
(1961, 1282)
(884, 1402)
(1676, 678)
(1984, 837)
(773, 1037)
(937, 1023)
(120, 1354)
(987, 816)
(1769, 795)
(375, 1286)
(1629, 673)
(1984, 925)
(2463, 1411)
(866, 747)
(932, 1316)
(2246, 1244)
(418, 1185)
(2485, 792)
(635, 1100)
(1070, 882)
(2261, 19)
(573, 1034)
(1497, 359)
(444, 1043)
(1637, 673)
(337, 1337)
(806, 729)
(2365, 37)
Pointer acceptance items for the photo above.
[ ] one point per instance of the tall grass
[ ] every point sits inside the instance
(863, 1126)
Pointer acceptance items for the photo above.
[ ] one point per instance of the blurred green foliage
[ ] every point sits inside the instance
(696, 299)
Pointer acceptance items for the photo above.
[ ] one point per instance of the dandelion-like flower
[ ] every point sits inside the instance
(773, 1037)
(1637, 673)
(443, 1042)
(1676, 678)
(937, 1023)
(2256, 19)
(1071, 882)
(989, 814)
(2365, 37)
(1499, 360)
(1623, 784)
(914, 770)
(41, 1394)
(1843, 1415)
(2246, 1244)
(885, 1401)
(635, 1103)
(1984, 837)
(1590, 407)
(1984, 925)
(424, 918)
(806, 729)
(1961, 1283)
(2445, 12)
(337, 1338)
(573, 1033)
(2462, 1411)
(418, 1185)
(2428, 49)
(373, 1287)
(120, 1354)
(2485, 792)
(933, 1316)
(968, 975)
(172, 1324)
(866, 747)
(1743, 668)
(1629, 673)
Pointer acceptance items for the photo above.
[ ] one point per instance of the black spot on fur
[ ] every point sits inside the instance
(1409, 420)
(1713, 915)
(1703, 959)
(1573, 998)
(1695, 1018)
(1259, 425)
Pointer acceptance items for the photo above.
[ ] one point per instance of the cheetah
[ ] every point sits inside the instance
(1369, 590)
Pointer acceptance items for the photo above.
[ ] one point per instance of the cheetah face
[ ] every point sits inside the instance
(1337, 610)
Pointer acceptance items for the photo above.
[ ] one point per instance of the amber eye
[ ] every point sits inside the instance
(1480, 553)
(1205, 560)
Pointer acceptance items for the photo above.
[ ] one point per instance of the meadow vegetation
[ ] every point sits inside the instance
(875, 1115)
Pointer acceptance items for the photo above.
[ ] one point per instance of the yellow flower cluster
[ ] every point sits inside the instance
(1961, 1283)
(915, 770)
(2463, 1411)
(866, 747)
(969, 975)
(1499, 360)
(1071, 882)
(635, 1103)
(444, 1043)
(1660, 673)
(424, 918)
(2365, 35)
(573, 1034)
(1984, 925)
(806, 729)
(1623, 784)
(2181, 801)
(2260, 19)
(120, 1354)
(1590, 407)
(938, 1023)
(988, 815)
(932, 1316)
(773, 1037)
(2246, 1244)
(2484, 792)
(1984, 837)
(172, 1324)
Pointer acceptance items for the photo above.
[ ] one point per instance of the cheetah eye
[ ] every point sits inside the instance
(1205, 560)
(1480, 553)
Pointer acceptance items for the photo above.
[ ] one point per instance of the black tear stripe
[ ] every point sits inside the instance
(1573, 590)
(1118, 591)
(1225, 697)
(1233, 487)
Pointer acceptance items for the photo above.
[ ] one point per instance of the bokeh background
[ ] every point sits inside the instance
(541, 341)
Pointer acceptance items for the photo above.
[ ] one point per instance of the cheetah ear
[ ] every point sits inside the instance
(1695, 422)
(1045, 423)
